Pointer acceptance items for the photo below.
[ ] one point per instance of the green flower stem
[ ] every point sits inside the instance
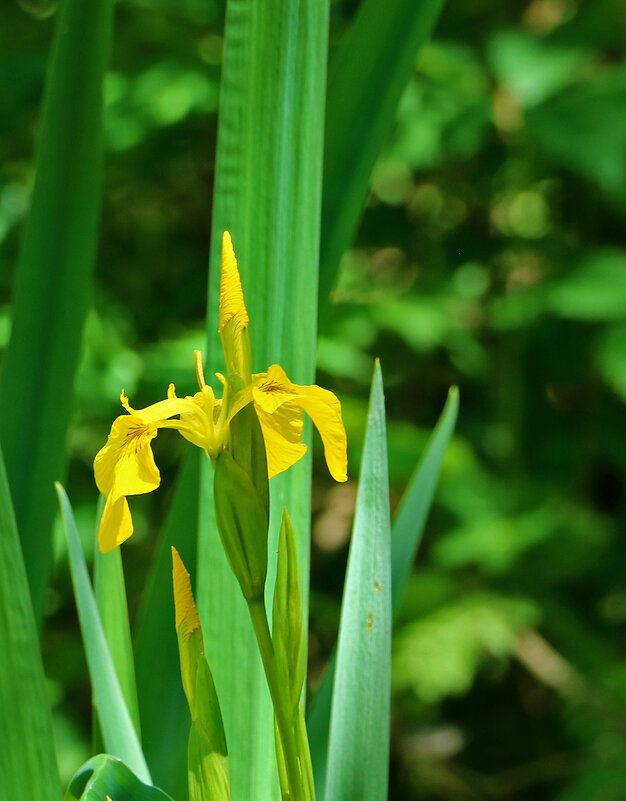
(302, 740)
(290, 750)
(282, 770)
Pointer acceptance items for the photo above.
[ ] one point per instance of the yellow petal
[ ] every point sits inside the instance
(232, 305)
(325, 410)
(116, 524)
(124, 429)
(136, 472)
(186, 611)
(162, 410)
(282, 432)
(274, 392)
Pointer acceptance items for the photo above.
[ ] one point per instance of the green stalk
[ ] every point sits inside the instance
(302, 739)
(290, 753)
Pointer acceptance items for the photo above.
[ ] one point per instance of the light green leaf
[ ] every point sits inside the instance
(113, 609)
(368, 73)
(358, 751)
(105, 778)
(269, 197)
(405, 538)
(118, 732)
(27, 763)
(53, 278)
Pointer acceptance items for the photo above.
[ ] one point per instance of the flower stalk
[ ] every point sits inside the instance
(250, 434)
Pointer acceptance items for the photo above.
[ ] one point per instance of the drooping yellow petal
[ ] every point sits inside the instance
(126, 433)
(324, 409)
(184, 604)
(282, 432)
(274, 394)
(231, 305)
(116, 524)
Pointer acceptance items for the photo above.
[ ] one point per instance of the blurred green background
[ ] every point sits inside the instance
(492, 255)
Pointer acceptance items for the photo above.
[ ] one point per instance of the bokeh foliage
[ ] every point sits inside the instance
(491, 254)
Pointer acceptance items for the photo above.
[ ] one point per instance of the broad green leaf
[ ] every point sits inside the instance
(162, 704)
(268, 196)
(358, 750)
(368, 74)
(405, 538)
(53, 278)
(113, 609)
(105, 778)
(27, 763)
(118, 732)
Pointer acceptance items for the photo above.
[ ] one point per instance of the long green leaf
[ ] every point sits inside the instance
(118, 731)
(268, 194)
(27, 762)
(103, 777)
(368, 73)
(113, 609)
(53, 278)
(162, 704)
(358, 753)
(406, 533)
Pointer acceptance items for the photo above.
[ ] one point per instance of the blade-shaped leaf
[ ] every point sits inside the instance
(53, 278)
(363, 94)
(118, 732)
(268, 196)
(27, 763)
(104, 777)
(358, 752)
(162, 703)
(406, 532)
(113, 609)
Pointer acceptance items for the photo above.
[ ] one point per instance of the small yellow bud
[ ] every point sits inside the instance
(232, 306)
(186, 611)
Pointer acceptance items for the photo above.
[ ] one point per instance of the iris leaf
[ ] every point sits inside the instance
(269, 197)
(363, 94)
(104, 777)
(27, 763)
(53, 278)
(358, 752)
(118, 731)
(406, 532)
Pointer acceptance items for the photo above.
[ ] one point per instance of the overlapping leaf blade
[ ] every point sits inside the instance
(358, 753)
(406, 532)
(110, 590)
(162, 703)
(104, 777)
(269, 196)
(368, 72)
(27, 762)
(118, 731)
(53, 278)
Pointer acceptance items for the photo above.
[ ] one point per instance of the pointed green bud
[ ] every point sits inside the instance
(247, 447)
(288, 622)
(242, 523)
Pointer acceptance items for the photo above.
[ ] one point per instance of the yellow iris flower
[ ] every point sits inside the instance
(125, 465)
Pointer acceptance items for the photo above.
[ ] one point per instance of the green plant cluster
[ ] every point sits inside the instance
(490, 255)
